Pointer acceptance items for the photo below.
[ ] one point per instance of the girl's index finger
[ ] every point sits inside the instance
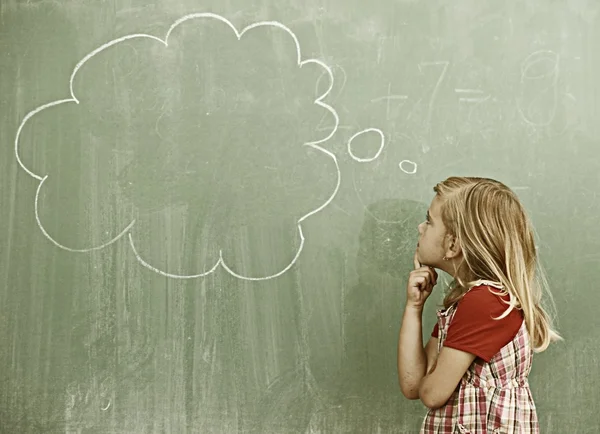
(416, 261)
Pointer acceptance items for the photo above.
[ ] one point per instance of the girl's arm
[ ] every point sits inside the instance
(413, 360)
(438, 385)
(432, 354)
(412, 357)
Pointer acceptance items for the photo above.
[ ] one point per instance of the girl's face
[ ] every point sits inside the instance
(431, 249)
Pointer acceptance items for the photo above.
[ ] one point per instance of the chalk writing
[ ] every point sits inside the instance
(432, 99)
(547, 79)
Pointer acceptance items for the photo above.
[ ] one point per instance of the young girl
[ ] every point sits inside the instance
(472, 374)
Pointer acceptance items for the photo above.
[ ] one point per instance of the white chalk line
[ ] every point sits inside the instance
(164, 273)
(390, 98)
(425, 146)
(290, 265)
(377, 154)
(528, 63)
(401, 164)
(471, 91)
(18, 135)
(476, 100)
(525, 66)
(56, 243)
(129, 228)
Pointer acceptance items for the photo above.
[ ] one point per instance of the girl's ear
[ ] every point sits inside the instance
(453, 246)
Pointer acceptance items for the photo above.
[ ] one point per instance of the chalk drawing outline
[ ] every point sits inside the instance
(415, 166)
(128, 229)
(360, 133)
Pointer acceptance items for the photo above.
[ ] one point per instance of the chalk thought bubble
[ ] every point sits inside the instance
(184, 114)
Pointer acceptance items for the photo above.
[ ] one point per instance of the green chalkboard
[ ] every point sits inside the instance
(208, 210)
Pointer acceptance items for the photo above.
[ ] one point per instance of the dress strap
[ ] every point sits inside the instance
(480, 282)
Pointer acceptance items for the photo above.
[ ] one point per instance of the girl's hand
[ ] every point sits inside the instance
(420, 284)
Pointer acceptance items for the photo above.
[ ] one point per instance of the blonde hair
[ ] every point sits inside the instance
(497, 242)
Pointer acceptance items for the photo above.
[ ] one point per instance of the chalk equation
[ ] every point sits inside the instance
(536, 103)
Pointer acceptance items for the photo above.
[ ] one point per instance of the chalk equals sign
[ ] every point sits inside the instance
(471, 95)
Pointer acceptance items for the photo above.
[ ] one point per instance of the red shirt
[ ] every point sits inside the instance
(473, 328)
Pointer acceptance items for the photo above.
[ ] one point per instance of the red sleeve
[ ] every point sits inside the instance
(436, 330)
(473, 328)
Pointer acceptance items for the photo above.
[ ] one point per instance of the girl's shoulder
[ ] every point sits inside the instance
(490, 297)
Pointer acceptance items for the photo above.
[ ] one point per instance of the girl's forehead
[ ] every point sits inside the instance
(434, 208)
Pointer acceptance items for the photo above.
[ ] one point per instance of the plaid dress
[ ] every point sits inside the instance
(491, 398)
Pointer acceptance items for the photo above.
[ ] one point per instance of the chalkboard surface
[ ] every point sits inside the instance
(208, 209)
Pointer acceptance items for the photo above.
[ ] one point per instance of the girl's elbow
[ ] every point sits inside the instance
(409, 392)
(431, 402)
(431, 399)
(411, 395)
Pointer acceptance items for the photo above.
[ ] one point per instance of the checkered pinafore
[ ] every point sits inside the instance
(491, 398)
